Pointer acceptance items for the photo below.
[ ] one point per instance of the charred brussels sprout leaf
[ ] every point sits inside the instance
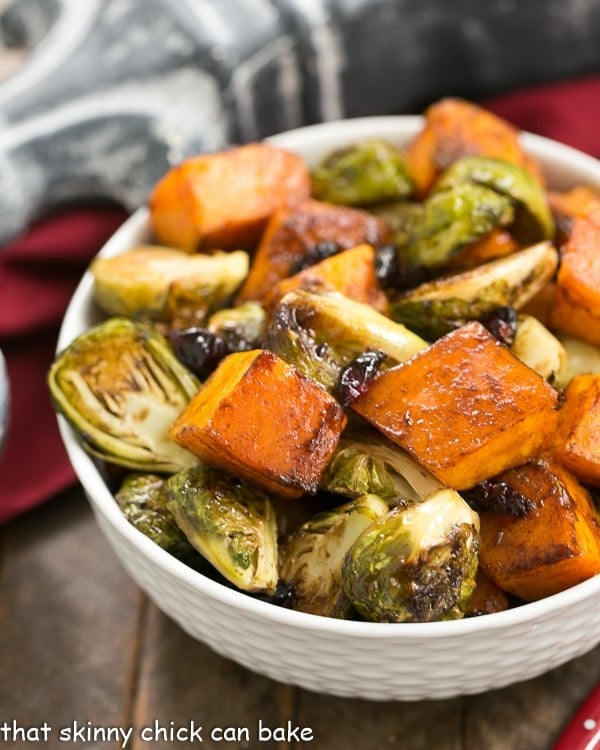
(121, 387)
(437, 307)
(230, 523)
(367, 172)
(241, 327)
(311, 558)
(452, 219)
(416, 564)
(322, 333)
(143, 502)
(533, 219)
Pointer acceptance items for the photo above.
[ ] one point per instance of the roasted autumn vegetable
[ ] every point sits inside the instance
(223, 200)
(367, 172)
(468, 393)
(536, 347)
(121, 387)
(241, 327)
(152, 282)
(578, 439)
(312, 557)
(322, 333)
(231, 523)
(415, 564)
(437, 307)
(143, 500)
(533, 219)
(246, 419)
(554, 546)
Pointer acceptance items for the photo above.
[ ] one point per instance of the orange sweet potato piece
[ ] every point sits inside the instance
(577, 302)
(257, 417)
(487, 597)
(455, 128)
(556, 545)
(497, 244)
(565, 206)
(223, 200)
(466, 408)
(291, 233)
(351, 272)
(578, 444)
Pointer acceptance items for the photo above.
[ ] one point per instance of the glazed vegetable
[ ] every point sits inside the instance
(224, 200)
(415, 564)
(371, 171)
(582, 358)
(437, 307)
(554, 546)
(241, 327)
(533, 220)
(322, 333)
(120, 386)
(578, 440)
(470, 394)
(154, 282)
(311, 558)
(536, 347)
(260, 418)
(293, 234)
(451, 220)
(143, 501)
(231, 523)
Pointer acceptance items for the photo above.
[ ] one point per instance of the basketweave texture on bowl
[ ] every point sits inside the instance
(378, 661)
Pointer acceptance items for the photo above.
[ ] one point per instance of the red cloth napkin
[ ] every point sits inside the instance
(39, 271)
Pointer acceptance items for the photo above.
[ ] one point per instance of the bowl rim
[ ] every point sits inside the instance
(527, 614)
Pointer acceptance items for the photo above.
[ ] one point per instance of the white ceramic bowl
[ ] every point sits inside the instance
(369, 660)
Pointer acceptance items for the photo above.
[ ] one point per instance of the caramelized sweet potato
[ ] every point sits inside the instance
(455, 128)
(567, 205)
(578, 445)
(487, 597)
(466, 408)
(351, 272)
(553, 547)
(259, 418)
(577, 302)
(223, 200)
(497, 244)
(291, 233)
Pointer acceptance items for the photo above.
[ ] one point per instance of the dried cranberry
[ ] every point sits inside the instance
(355, 378)
(502, 324)
(199, 349)
(497, 497)
(392, 273)
(316, 254)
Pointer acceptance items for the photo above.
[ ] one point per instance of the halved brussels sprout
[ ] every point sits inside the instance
(582, 358)
(533, 219)
(437, 307)
(153, 282)
(539, 349)
(143, 502)
(121, 387)
(452, 219)
(311, 558)
(241, 327)
(402, 218)
(416, 564)
(367, 172)
(322, 333)
(231, 523)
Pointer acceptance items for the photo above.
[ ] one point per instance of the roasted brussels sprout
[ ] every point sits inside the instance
(121, 387)
(533, 219)
(143, 502)
(539, 349)
(582, 358)
(402, 218)
(366, 463)
(152, 282)
(241, 327)
(415, 564)
(437, 307)
(311, 558)
(231, 523)
(367, 172)
(452, 219)
(322, 333)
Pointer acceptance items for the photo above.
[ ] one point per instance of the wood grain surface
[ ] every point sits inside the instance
(80, 643)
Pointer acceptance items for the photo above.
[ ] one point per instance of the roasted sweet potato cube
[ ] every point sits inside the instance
(466, 408)
(577, 302)
(487, 597)
(257, 417)
(565, 206)
(556, 545)
(223, 200)
(292, 233)
(455, 128)
(578, 445)
(351, 272)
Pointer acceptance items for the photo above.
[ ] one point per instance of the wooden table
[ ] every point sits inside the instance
(79, 642)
